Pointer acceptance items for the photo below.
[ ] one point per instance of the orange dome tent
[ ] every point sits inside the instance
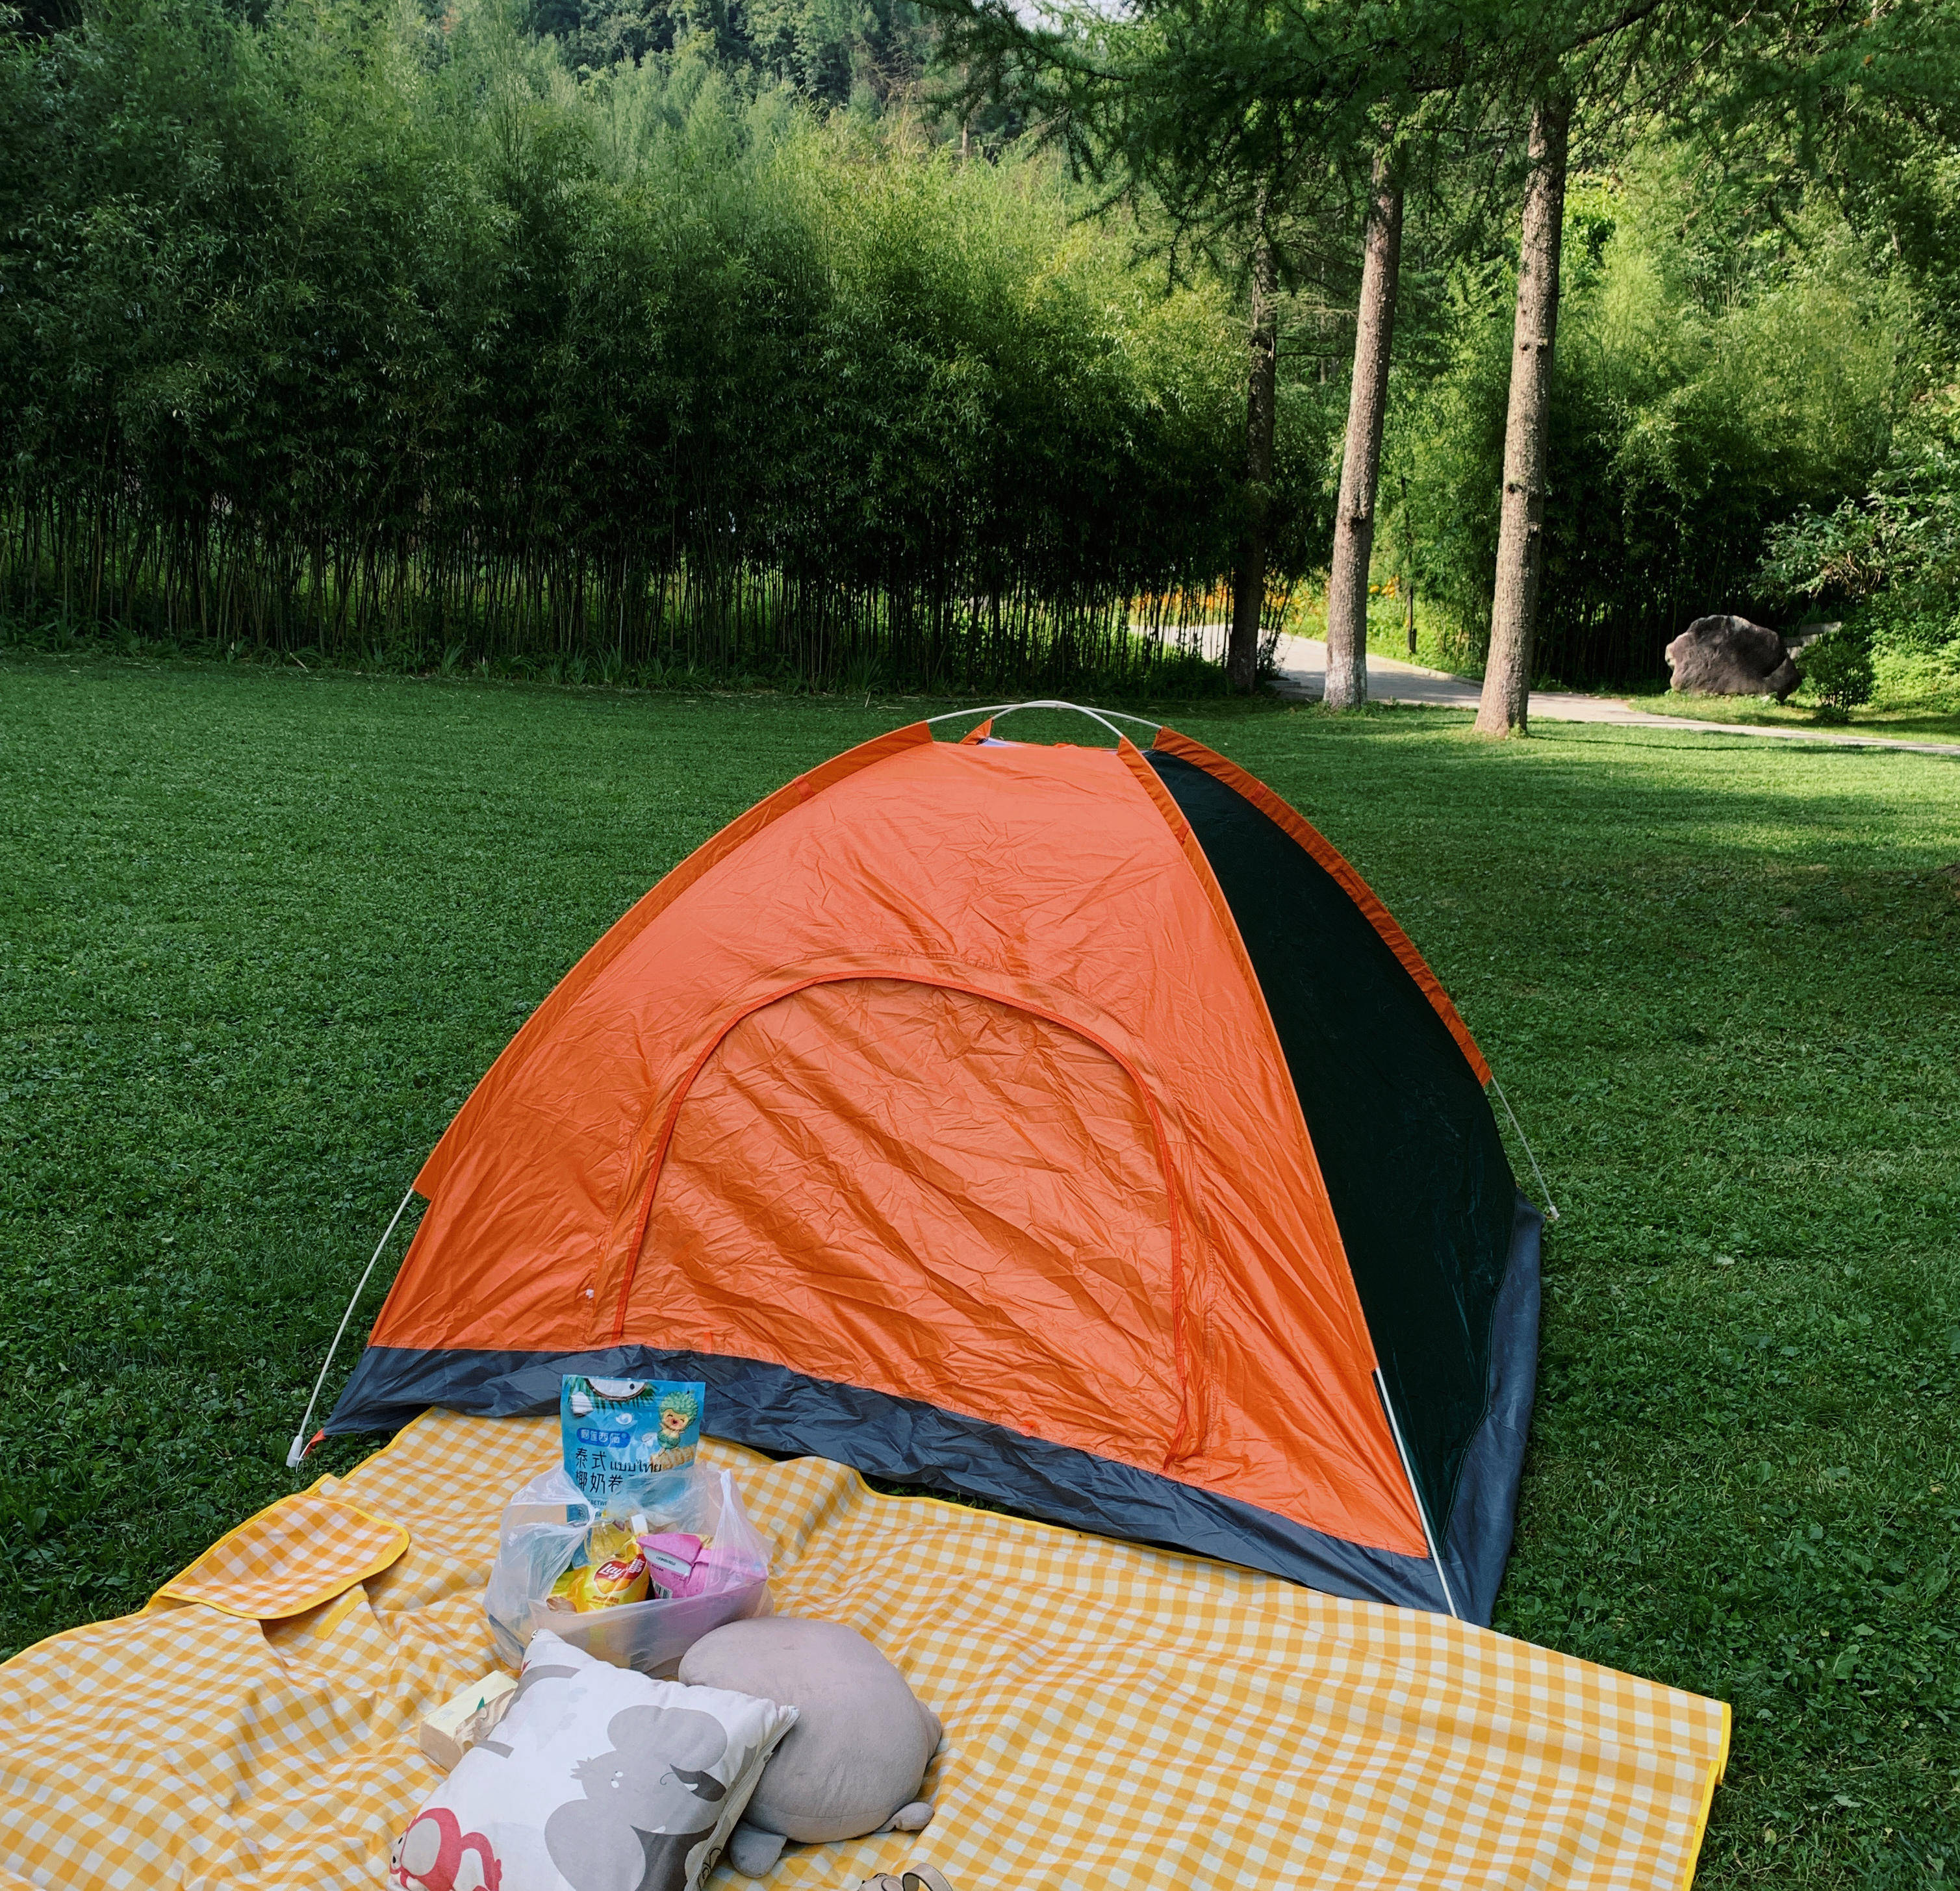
(1067, 1127)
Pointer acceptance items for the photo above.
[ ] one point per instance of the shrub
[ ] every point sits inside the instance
(1837, 669)
(1891, 559)
(1903, 536)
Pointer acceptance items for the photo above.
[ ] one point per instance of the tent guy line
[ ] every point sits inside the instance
(1550, 1209)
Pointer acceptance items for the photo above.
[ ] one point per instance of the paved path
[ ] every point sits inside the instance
(1303, 674)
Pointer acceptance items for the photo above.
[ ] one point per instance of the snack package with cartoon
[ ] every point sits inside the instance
(614, 1431)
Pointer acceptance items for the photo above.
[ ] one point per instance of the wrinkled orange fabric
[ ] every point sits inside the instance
(947, 1076)
(1002, 1163)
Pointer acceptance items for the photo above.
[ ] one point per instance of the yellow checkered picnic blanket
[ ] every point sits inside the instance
(1117, 1718)
(294, 1556)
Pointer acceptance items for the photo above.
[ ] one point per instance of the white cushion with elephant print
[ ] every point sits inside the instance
(596, 1779)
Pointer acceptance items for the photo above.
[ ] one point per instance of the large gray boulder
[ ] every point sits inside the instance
(1725, 656)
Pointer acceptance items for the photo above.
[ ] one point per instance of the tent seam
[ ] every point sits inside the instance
(1198, 863)
(795, 793)
(856, 976)
(1323, 852)
(1192, 848)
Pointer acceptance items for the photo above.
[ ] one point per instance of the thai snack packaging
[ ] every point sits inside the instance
(613, 1431)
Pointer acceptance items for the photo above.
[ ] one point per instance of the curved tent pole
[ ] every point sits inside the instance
(297, 1450)
(1050, 702)
(1408, 1471)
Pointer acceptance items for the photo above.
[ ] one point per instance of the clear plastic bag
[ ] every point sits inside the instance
(544, 1528)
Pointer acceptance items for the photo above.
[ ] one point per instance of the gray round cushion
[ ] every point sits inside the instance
(859, 1749)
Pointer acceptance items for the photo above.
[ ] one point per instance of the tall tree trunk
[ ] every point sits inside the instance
(1408, 567)
(1248, 584)
(1361, 461)
(1507, 672)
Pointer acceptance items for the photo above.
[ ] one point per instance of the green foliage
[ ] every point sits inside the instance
(1837, 670)
(1915, 648)
(1891, 562)
(836, 53)
(1213, 122)
(1862, 105)
(1904, 535)
(267, 928)
(353, 334)
(1714, 373)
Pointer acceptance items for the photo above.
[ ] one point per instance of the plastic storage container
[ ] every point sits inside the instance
(544, 1528)
(653, 1636)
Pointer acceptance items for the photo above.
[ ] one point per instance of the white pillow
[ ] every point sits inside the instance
(596, 1779)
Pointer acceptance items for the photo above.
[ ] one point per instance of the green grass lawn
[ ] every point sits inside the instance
(263, 931)
(1931, 717)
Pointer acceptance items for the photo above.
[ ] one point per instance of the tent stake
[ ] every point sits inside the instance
(1408, 1471)
(297, 1450)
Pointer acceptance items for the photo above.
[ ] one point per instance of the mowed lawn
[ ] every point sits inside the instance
(260, 931)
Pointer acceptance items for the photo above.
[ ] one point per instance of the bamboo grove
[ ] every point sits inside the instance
(351, 332)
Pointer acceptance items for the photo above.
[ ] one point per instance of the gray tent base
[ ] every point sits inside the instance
(790, 1414)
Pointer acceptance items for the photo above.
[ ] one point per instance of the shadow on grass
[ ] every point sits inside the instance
(1937, 719)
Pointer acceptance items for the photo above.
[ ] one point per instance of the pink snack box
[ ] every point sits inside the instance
(671, 1556)
(718, 1569)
